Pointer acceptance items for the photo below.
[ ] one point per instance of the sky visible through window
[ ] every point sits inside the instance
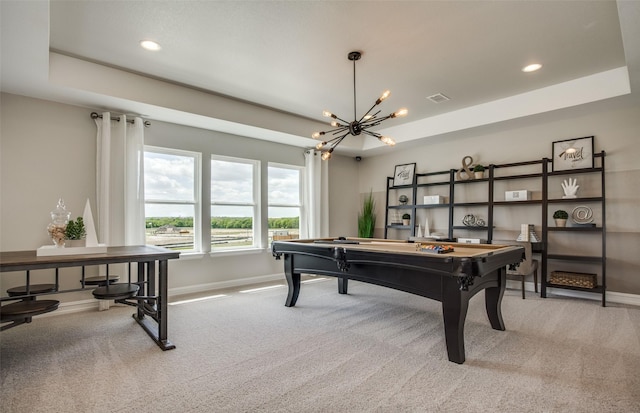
(170, 177)
(284, 189)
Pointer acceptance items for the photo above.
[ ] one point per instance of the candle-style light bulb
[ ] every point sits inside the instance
(383, 97)
(326, 155)
(387, 140)
(320, 145)
(327, 114)
(400, 113)
(316, 135)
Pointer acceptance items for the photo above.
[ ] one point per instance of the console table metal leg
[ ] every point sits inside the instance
(157, 326)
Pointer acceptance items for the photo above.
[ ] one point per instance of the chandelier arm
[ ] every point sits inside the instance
(370, 109)
(375, 122)
(372, 133)
(339, 130)
(337, 137)
(372, 119)
(338, 140)
(335, 131)
(340, 119)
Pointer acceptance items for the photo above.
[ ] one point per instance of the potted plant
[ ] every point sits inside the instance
(478, 171)
(75, 233)
(561, 217)
(367, 217)
(406, 218)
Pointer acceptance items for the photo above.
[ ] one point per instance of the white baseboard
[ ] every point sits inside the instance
(220, 285)
(94, 305)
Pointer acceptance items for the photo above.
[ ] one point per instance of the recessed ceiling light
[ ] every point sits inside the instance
(150, 45)
(532, 67)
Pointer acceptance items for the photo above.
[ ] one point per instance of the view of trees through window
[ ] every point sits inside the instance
(284, 202)
(172, 198)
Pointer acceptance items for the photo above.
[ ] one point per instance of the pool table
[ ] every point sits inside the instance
(451, 278)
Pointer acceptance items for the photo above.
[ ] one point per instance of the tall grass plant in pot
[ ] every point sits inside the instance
(367, 217)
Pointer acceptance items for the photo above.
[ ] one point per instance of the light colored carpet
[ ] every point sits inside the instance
(374, 350)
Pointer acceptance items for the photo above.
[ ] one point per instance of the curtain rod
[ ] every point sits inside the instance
(95, 115)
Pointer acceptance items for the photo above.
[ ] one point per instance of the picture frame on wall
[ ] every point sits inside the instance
(404, 174)
(570, 154)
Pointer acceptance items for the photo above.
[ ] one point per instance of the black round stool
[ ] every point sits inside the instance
(24, 310)
(116, 291)
(33, 289)
(100, 280)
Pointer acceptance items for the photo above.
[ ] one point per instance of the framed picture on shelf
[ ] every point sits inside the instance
(404, 174)
(573, 154)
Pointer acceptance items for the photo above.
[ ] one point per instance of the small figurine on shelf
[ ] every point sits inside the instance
(570, 188)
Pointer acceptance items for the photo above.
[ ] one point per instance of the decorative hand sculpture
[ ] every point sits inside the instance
(570, 188)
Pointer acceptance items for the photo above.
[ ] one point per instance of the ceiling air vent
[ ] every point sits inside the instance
(438, 98)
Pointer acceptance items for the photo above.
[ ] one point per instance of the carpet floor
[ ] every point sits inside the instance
(373, 350)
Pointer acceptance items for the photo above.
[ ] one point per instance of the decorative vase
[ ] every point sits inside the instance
(59, 220)
(561, 222)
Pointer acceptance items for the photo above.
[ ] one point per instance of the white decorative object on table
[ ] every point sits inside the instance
(91, 245)
(87, 216)
(59, 220)
(570, 188)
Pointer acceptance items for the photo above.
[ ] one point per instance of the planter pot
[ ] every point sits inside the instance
(561, 222)
(75, 243)
(406, 221)
(478, 175)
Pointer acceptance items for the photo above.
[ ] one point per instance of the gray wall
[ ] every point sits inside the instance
(48, 151)
(615, 126)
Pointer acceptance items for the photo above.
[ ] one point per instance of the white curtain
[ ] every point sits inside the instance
(120, 181)
(316, 197)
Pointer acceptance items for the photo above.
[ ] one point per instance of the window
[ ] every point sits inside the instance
(284, 201)
(235, 194)
(172, 198)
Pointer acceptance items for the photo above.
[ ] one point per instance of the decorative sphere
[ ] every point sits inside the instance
(403, 199)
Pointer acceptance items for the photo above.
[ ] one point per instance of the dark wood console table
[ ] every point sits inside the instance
(150, 301)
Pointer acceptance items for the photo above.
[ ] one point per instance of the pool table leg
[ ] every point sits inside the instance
(454, 310)
(493, 301)
(343, 285)
(293, 281)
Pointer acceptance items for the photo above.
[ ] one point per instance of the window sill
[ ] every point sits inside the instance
(231, 252)
(191, 255)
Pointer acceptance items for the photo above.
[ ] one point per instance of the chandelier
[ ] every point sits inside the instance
(358, 126)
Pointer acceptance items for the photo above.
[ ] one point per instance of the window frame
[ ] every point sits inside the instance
(256, 204)
(197, 192)
(301, 170)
